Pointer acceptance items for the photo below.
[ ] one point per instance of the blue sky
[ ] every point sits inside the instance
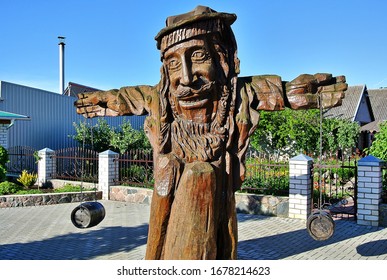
(110, 43)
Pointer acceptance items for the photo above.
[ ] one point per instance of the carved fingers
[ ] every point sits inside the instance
(99, 103)
(303, 92)
(333, 94)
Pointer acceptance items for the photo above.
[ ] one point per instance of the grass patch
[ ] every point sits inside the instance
(9, 188)
(72, 188)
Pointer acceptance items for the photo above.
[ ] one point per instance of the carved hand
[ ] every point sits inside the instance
(101, 103)
(303, 92)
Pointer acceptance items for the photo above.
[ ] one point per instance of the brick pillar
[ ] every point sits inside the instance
(300, 187)
(369, 190)
(108, 172)
(46, 166)
(4, 135)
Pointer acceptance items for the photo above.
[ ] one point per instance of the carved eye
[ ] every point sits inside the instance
(173, 63)
(199, 56)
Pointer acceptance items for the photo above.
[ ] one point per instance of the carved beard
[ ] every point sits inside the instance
(201, 141)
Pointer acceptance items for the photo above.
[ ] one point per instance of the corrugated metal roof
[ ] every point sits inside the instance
(378, 99)
(372, 126)
(349, 106)
(73, 89)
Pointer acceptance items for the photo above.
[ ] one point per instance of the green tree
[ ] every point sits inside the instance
(339, 134)
(330, 127)
(347, 135)
(287, 131)
(379, 149)
(102, 137)
(379, 146)
(291, 132)
(128, 138)
(95, 137)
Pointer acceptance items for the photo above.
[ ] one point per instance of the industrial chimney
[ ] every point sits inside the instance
(61, 64)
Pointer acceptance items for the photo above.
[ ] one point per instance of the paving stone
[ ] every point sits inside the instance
(46, 232)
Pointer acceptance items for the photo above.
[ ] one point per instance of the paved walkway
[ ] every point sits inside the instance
(46, 232)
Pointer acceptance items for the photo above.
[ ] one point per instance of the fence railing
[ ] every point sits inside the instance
(335, 185)
(21, 158)
(135, 167)
(76, 164)
(266, 175)
(384, 183)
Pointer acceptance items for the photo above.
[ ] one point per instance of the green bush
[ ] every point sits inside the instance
(3, 161)
(253, 182)
(3, 155)
(136, 174)
(9, 188)
(278, 185)
(102, 137)
(27, 179)
(3, 173)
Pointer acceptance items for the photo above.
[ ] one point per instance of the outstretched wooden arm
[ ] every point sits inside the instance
(270, 93)
(303, 92)
(125, 101)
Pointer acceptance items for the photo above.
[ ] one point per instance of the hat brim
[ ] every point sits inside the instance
(225, 17)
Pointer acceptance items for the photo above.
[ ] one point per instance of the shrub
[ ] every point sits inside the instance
(29, 192)
(136, 174)
(9, 188)
(278, 185)
(3, 155)
(27, 179)
(3, 161)
(3, 173)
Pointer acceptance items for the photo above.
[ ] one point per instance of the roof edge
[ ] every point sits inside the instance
(12, 116)
(359, 102)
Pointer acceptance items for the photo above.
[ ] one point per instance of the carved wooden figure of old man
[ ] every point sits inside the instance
(200, 117)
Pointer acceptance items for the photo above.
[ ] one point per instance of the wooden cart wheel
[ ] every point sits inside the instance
(320, 225)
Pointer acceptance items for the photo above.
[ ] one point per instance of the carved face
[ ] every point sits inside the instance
(192, 75)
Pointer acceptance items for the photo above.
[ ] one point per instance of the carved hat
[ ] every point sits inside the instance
(202, 20)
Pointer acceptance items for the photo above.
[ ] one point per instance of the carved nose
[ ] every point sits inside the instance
(186, 74)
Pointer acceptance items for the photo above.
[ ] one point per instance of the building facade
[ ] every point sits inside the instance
(52, 117)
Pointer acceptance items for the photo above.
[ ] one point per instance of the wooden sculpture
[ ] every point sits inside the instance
(200, 117)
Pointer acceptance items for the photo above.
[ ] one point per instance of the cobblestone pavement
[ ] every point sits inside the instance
(46, 233)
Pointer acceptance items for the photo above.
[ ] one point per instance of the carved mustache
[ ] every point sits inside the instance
(183, 91)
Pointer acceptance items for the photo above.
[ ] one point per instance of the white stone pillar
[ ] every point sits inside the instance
(4, 135)
(300, 187)
(46, 166)
(108, 172)
(369, 190)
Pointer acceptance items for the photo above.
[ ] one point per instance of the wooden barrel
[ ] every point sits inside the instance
(320, 225)
(88, 214)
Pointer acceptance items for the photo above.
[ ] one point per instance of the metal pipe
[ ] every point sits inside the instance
(61, 65)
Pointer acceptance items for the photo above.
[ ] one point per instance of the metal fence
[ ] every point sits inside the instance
(384, 183)
(135, 168)
(21, 158)
(335, 185)
(77, 164)
(266, 174)
(334, 182)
